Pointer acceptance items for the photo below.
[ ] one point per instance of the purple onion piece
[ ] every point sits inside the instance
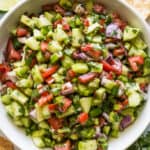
(111, 46)
(67, 88)
(113, 31)
(33, 114)
(125, 122)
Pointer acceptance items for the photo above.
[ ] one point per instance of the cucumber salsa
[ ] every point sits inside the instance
(74, 75)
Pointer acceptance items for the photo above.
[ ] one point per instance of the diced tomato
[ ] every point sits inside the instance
(90, 51)
(67, 104)
(116, 67)
(87, 77)
(118, 52)
(59, 9)
(52, 107)
(86, 22)
(50, 80)
(65, 146)
(55, 123)
(57, 22)
(71, 73)
(135, 61)
(48, 72)
(12, 53)
(120, 23)
(83, 117)
(86, 47)
(45, 98)
(125, 102)
(44, 46)
(143, 86)
(10, 84)
(66, 27)
(109, 76)
(21, 32)
(107, 66)
(4, 68)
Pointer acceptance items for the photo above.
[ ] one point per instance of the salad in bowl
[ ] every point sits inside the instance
(74, 76)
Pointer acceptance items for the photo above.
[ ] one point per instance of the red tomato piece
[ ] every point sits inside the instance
(10, 84)
(71, 73)
(67, 104)
(107, 66)
(50, 80)
(83, 117)
(66, 27)
(21, 32)
(134, 61)
(87, 77)
(44, 46)
(59, 9)
(52, 107)
(118, 52)
(12, 53)
(98, 8)
(45, 98)
(57, 22)
(55, 123)
(48, 72)
(87, 47)
(86, 22)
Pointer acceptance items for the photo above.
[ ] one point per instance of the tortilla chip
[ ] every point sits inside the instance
(5, 144)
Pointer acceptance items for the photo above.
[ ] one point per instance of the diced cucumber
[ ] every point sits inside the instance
(94, 84)
(92, 28)
(108, 84)
(77, 37)
(33, 43)
(80, 68)
(40, 57)
(39, 115)
(84, 90)
(67, 62)
(60, 35)
(134, 99)
(48, 16)
(21, 71)
(15, 110)
(130, 33)
(134, 52)
(100, 94)
(43, 125)
(38, 141)
(96, 67)
(139, 43)
(37, 34)
(87, 145)
(6, 99)
(55, 57)
(25, 83)
(28, 91)
(54, 47)
(97, 39)
(45, 112)
(69, 112)
(36, 75)
(147, 66)
(38, 133)
(42, 21)
(19, 96)
(26, 122)
(86, 103)
(27, 21)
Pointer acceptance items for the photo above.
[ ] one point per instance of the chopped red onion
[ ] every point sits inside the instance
(113, 31)
(67, 88)
(125, 122)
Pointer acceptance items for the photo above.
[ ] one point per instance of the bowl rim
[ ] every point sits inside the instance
(138, 16)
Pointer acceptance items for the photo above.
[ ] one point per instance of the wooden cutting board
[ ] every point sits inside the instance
(5, 144)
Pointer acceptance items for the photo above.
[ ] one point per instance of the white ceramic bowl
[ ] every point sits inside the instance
(16, 135)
